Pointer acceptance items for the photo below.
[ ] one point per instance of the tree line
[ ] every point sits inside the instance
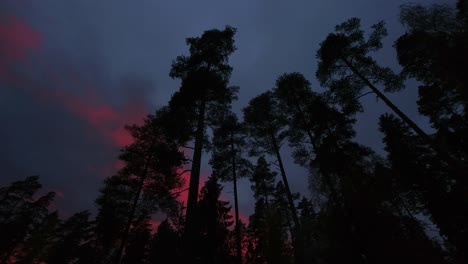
(409, 206)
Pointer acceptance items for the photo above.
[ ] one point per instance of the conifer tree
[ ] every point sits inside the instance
(228, 163)
(165, 246)
(142, 187)
(214, 223)
(204, 76)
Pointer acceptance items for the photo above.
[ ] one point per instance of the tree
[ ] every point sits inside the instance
(307, 217)
(462, 6)
(263, 181)
(214, 223)
(204, 74)
(421, 183)
(311, 117)
(313, 123)
(296, 97)
(142, 187)
(71, 235)
(431, 50)
(346, 68)
(443, 97)
(227, 161)
(267, 227)
(16, 195)
(20, 215)
(137, 250)
(165, 246)
(36, 246)
(265, 124)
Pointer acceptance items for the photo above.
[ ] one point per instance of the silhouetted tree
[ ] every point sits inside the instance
(214, 223)
(165, 246)
(346, 68)
(138, 246)
(20, 216)
(142, 187)
(263, 181)
(228, 163)
(267, 227)
(71, 235)
(266, 123)
(204, 76)
(36, 247)
(431, 50)
(307, 216)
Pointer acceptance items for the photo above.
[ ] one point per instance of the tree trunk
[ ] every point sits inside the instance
(236, 203)
(402, 115)
(285, 181)
(298, 252)
(192, 200)
(123, 243)
(439, 149)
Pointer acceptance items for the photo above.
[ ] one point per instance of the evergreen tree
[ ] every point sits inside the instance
(165, 246)
(21, 215)
(204, 76)
(346, 68)
(307, 216)
(142, 187)
(36, 247)
(137, 250)
(71, 235)
(431, 50)
(263, 181)
(214, 223)
(228, 163)
(266, 123)
(269, 222)
(420, 181)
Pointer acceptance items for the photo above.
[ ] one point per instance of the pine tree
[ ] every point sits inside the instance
(228, 163)
(267, 227)
(346, 68)
(20, 215)
(266, 123)
(71, 235)
(214, 223)
(137, 249)
(165, 246)
(204, 76)
(431, 50)
(142, 187)
(36, 247)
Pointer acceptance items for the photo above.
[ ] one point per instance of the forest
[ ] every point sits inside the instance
(407, 206)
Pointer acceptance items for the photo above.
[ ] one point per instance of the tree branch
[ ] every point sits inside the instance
(177, 193)
(180, 174)
(187, 147)
(362, 95)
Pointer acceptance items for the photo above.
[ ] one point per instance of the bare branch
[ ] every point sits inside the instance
(177, 193)
(180, 174)
(187, 147)
(362, 95)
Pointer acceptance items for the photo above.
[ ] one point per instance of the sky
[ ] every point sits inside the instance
(73, 73)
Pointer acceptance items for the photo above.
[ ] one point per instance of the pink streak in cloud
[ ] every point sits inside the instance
(16, 39)
(107, 120)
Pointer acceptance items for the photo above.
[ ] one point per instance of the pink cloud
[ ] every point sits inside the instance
(108, 121)
(16, 39)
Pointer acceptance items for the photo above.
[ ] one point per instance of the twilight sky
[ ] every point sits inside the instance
(74, 72)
